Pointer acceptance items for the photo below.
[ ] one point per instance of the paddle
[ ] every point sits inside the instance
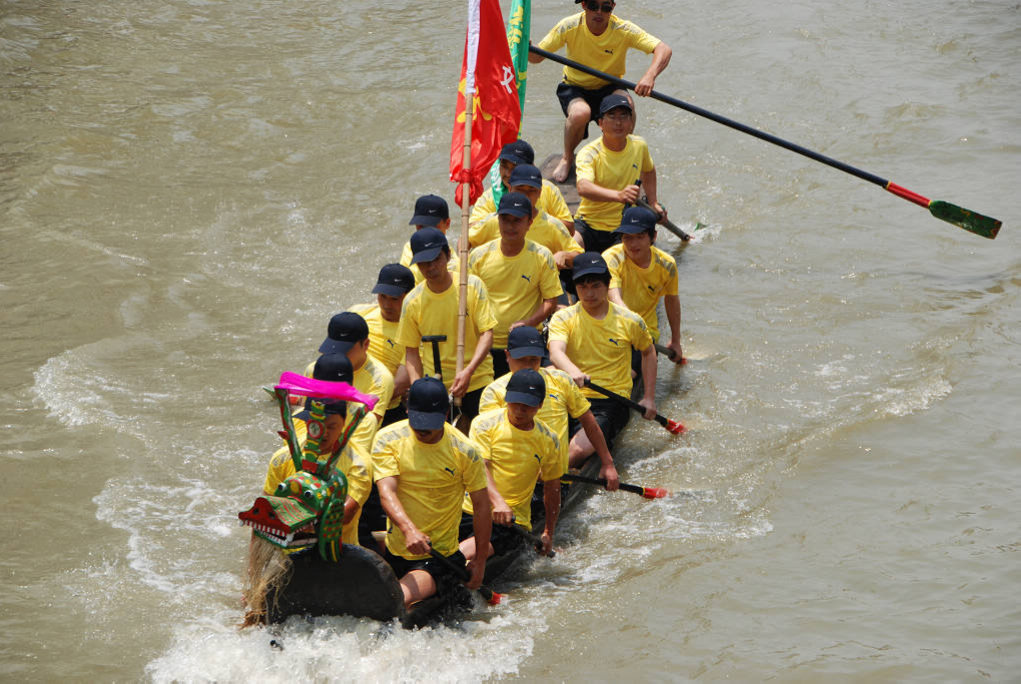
(668, 352)
(671, 426)
(668, 224)
(528, 536)
(647, 492)
(945, 211)
(492, 598)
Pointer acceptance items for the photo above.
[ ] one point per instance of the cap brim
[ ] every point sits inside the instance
(423, 420)
(522, 398)
(426, 255)
(389, 290)
(519, 352)
(332, 346)
(520, 213)
(425, 220)
(575, 275)
(630, 230)
(530, 183)
(512, 158)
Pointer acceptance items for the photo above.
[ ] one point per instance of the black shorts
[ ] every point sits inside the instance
(470, 404)
(394, 415)
(500, 365)
(372, 519)
(611, 417)
(595, 240)
(567, 92)
(503, 538)
(442, 575)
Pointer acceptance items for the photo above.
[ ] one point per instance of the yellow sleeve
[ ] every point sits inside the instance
(552, 201)
(490, 399)
(639, 333)
(558, 328)
(280, 468)
(549, 282)
(638, 38)
(406, 254)
(564, 241)
(474, 473)
(482, 312)
(408, 333)
(556, 38)
(647, 164)
(584, 163)
(486, 229)
(615, 263)
(358, 473)
(384, 456)
(577, 403)
(483, 208)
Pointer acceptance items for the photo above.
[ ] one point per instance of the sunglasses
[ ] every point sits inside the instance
(596, 6)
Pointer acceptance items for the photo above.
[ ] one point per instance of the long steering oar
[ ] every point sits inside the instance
(668, 224)
(647, 492)
(951, 213)
(672, 426)
(492, 598)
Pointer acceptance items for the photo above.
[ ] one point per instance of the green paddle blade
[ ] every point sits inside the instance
(969, 220)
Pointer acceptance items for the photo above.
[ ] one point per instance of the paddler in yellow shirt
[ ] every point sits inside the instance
(641, 274)
(423, 469)
(517, 449)
(353, 460)
(609, 169)
(592, 340)
(565, 407)
(520, 275)
(599, 39)
(431, 309)
(551, 200)
(431, 211)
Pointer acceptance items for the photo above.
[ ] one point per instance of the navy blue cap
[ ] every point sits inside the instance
(429, 211)
(426, 244)
(515, 204)
(427, 404)
(527, 387)
(613, 101)
(588, 263)
(394, 280)
(344, 331)
(525, 340)
(637, 220)
(525, 174)
(332, 368)
(518, 152)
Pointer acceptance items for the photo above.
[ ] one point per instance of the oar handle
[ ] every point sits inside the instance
(668, 224)
(525, 534)
(668, 352)
(647, 492)
(492, 598)
(671, 425)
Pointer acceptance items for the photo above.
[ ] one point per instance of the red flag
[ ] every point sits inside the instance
(496, 114)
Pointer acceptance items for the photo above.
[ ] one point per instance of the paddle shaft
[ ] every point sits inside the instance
(462, 574)
(662, 420)
(635, 489)
(984, 226)
(668, 224)
(535, 540)
(666, 351)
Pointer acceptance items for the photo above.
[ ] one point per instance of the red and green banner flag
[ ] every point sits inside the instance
(518, 38)
(489, 80)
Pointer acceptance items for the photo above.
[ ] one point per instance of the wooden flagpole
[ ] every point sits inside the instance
(462, 240)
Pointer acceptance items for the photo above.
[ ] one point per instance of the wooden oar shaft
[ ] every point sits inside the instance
(647, 492)
(668, 224)
(670, 425)
(462, 574)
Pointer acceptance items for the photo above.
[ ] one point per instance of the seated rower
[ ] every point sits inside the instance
(353, 459)
(423, 469)
(564, 408)
(641, 274)
(592, 340)
(431, 211)
(551, 199)
(517, 449)
(520, 276)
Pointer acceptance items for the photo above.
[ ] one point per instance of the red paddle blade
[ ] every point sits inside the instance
(674, 427)
(654, 492)
(494, 599)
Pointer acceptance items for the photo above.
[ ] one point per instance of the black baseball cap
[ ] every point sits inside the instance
(613, 101)
(518, 152)
(332, 368)
(515, 204)
(525, 341)
(637, 220)
(429, 211)
(344, 331)
(427, 404)
(426, 244)
(525, 174)
(394, 280)
(527, 387)
(589, 263)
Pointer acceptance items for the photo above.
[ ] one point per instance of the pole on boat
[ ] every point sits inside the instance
(945, 211)
(462, 240)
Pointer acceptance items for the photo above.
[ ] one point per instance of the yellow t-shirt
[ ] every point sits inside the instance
(383, 344)
(641, 288)
(610, 169)
(563, 399)
(428, 313)
(551, 200)
(352, 462)
(516, 458)
(432, 481)
(546, 230)
(516, 285)
(372, 378)
(407, 254)
(606, 52)
(601, 348)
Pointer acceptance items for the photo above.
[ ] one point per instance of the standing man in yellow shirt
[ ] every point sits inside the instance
(520, 276)
(599, 39)
(423, 469)
(517, 450)
(565, 408)
(431, 211)
(609, 169)
(431, 309)
(592, 340)
(641, 274)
